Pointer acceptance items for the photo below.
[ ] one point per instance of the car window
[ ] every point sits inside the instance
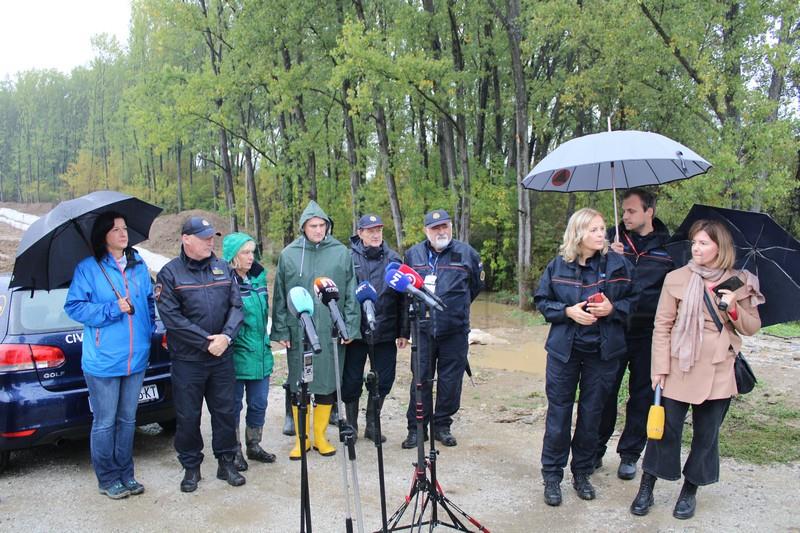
(40, 311)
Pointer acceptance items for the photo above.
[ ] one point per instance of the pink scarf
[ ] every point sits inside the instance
(687, 335)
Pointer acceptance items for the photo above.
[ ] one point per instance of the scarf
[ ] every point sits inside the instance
(687, 335)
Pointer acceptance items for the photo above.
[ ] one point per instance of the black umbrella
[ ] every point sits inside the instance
(763, 247)
(54, 244)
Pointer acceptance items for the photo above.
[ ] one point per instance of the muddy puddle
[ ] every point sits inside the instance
(507, 339)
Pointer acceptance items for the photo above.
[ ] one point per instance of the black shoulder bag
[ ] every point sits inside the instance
(745, 378)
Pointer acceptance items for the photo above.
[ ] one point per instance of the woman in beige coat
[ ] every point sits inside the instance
(693, 363)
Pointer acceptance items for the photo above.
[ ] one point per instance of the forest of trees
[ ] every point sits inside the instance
(253, 107)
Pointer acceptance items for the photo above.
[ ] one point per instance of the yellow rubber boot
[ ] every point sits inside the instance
(322, 414)
(294, 455)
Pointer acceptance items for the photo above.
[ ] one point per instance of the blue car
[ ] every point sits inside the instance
(43, 395)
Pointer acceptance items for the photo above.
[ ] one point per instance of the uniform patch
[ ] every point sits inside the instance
(217, 271)
(483, 275)
(157, 291)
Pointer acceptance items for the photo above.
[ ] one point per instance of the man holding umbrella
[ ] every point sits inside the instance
(200, 305)
(641, 240)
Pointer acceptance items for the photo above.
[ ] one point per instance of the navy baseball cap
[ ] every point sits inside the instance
(369, 221)
(434, 218)
(199, 227)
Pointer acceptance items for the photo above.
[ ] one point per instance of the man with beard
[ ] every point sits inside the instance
(641, 241)
(370, 255)
(453, 271)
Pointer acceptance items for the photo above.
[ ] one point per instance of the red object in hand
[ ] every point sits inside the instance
(595, 298)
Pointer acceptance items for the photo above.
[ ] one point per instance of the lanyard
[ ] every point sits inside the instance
(435, 262)
(636, 252)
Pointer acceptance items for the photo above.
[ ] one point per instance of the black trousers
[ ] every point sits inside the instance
(448, 357)
(561, 383)
(355, 359)
(634, 436)
(662, 458)
(192, 381)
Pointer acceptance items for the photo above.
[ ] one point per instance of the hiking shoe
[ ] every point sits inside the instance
(190, 479)
(134, 486)
(411, 440)
(445, 437)
(552, 492)
(626, 470)
(582, 485)
(116, 491)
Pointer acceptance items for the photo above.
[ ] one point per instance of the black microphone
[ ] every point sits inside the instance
(367, 296)
(302, 306)
(327, 292)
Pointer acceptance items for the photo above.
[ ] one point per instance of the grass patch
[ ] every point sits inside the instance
(786, 330)
(758, 429)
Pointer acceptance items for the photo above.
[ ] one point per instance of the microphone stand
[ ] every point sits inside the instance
(372, 380)
(347, 437)
(426, 491)
(306, 377)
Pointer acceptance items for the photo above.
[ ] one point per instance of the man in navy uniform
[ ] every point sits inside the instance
(453, 271)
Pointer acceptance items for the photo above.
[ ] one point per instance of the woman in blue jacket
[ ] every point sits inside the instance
(118, 317)
(585, 293)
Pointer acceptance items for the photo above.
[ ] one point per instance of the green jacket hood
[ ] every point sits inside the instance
(232, 243)
(314, 210)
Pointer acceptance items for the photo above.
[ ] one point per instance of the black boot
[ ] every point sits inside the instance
(333, 420)
(687, 502)
(252, 437)
(583, 486)
(369, 428)
(552, 492)
(644, 498)
(227, 471)
(238, 459)
(351, 412)
(288, 421)
(190, 479)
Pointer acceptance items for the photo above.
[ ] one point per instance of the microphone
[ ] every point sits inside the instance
(400, 282)
(327, 292)
(418, 283)
(302, 306)
(366, 296)
(394, 265)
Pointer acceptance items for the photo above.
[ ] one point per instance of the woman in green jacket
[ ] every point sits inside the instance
(252, 355)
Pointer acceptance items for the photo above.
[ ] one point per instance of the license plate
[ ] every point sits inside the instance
(149, 393)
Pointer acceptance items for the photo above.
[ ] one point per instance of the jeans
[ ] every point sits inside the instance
(215, 381)
(257, 393)
(113, 401)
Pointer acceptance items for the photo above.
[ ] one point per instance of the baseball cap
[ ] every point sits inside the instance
(199, 227)
(436, 217)
(369, 221)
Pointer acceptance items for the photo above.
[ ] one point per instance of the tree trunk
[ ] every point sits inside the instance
(178, 153)
(391, 187)
(227, 178)
(249, 173)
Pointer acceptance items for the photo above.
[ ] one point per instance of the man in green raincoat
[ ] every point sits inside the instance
(315, 253)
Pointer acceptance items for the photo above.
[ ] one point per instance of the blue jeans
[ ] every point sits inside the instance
(257, 393)
(114, 401)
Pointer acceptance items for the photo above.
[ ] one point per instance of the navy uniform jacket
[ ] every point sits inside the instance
(196, 299)
(459, 280)
(561, 286)
(651, 263)
(391, 309)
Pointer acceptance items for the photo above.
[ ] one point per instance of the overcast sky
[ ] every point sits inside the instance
(39, 34)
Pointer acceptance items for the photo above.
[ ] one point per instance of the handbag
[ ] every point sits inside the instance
(745, 377)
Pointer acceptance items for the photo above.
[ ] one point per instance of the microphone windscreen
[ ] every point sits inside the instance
(416, 279)
(326, 290)
(300, 301)
(366, 292)
(394, 265)
(397, 280)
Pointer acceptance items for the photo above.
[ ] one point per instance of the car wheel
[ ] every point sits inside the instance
(168, 426)
(4, 460)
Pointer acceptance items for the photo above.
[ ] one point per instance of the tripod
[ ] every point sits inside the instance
(372, 380)
(306, 377)
(426, 491)
(347, 437)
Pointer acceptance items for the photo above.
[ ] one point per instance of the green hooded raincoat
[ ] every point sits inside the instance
(299, 264)
(252, 356)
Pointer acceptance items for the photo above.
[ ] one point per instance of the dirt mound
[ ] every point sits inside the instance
(165, 234)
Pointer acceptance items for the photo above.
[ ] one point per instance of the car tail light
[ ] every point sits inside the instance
(18, 357)
(164, 341)
(24, 433)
